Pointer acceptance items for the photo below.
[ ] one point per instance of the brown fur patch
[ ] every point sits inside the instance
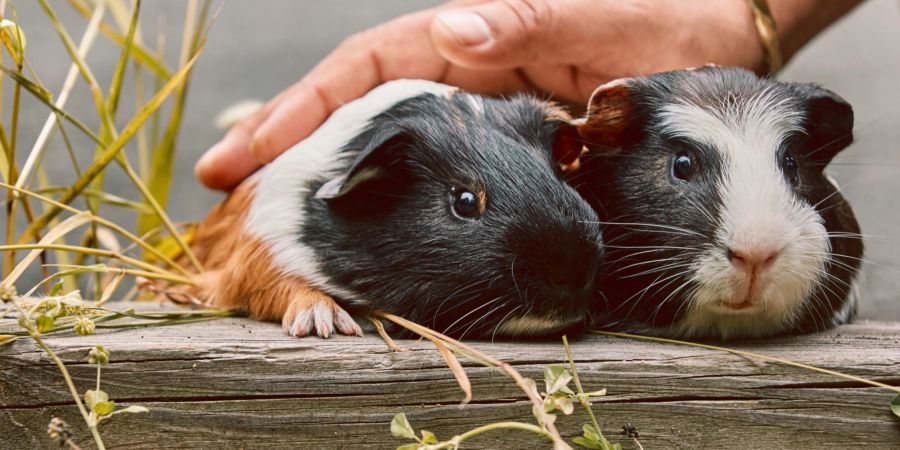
(240, 272)
(482, 201)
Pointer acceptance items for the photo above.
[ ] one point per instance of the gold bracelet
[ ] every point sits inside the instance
(765, 25)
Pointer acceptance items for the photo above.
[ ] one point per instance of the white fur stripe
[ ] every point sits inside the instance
(276, 215)
(759, 211)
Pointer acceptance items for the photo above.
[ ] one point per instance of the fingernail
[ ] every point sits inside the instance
(468, 29)
(212, 155)
(206, 161)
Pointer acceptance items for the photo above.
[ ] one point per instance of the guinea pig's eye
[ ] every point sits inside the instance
(683, 166)
(466, 204)
(790, 168)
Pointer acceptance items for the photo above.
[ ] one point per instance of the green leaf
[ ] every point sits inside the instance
(592, 438)
(92, 397)
(586, 443)
(591, 433)
(134, 409)
(895, 405)
(44, 323)
(103, 408)
(429, 437)
(102, 159)
(56, 289)
(599, 393)
(34, 88)
(55, 311)
(401, 428)
(130, 409)
(556, 378)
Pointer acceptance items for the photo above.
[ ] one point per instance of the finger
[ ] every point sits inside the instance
(397, 49)
(507, 34)
(229, 161)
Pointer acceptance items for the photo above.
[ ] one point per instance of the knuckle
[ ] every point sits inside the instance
(247, 126)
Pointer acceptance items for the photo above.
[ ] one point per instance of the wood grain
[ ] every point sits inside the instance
(236, 383)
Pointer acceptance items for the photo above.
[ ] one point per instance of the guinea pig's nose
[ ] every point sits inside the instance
(577, 276)
(753, 259)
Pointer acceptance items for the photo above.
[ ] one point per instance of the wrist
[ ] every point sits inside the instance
(799, 21)
(726, 34)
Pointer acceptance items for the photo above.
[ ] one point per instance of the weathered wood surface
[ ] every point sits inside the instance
(236, 383)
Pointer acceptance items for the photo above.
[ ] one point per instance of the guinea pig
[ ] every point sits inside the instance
(443, 207)
(719, 219)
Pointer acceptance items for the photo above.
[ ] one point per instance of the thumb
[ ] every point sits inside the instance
(506, 34)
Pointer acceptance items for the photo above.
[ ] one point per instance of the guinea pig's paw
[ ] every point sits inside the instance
(317, 311)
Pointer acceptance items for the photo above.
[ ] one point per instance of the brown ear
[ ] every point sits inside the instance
(610, 122)
(567, 148)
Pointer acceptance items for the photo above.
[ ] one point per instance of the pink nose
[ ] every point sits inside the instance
(753, 260)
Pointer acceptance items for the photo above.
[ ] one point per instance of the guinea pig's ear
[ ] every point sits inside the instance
(373, 163)
(828, 123)
(567, 147)
(612, 119)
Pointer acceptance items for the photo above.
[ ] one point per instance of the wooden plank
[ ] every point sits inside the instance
(235, 383)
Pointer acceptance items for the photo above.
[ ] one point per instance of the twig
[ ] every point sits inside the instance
(488, 360)
(37, 151)
(580, 391)
(65, 373)
(456, 440)
(379, 327)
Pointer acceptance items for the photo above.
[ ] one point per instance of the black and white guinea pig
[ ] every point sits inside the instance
(719, 219)
(443, 207)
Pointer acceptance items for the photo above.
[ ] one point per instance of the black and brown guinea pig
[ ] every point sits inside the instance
(719, 219)
(446, 208)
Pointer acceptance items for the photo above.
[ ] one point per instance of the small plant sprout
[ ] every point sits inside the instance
(591, 437)
(97, 400)
(401, 428)
(558, 396)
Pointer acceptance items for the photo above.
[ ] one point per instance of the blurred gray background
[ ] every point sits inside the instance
(257, 48)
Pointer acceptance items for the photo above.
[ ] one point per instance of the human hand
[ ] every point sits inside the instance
(560, 48)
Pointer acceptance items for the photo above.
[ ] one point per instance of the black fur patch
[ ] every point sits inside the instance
(394, 240)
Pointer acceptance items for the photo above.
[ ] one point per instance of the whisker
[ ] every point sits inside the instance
(500, 323)
(483, 317)
(652, 225)
(486, 304)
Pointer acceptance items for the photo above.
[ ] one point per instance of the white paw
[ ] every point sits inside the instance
(321, 314)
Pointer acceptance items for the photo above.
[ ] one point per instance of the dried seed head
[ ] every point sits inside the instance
(98, 355)
(84, 326)
(629, 430)
(59, 432)
(7, 293)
